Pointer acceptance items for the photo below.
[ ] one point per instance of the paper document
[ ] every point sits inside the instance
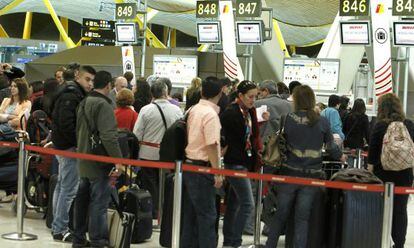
(259, 112)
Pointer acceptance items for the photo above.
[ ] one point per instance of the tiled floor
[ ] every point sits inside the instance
(34, 224)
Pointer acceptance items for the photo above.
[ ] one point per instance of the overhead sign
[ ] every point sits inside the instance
(128, 61)
(95, 31)
(249, 32)
(249, 8)
(402, 8)
(353, 7)
(125, 33)
(355, 33)
(207, 9)
(180, 69)
(208, 33)
(125, 11)
(320, 74)
(403, 33)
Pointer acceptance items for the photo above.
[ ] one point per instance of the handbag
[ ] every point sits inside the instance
(274, 147)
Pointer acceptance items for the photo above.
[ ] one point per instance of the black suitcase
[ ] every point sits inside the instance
(121, 226)
(8, 176)
(138, 202)
(316, 237)
(355, 219)
(167, 213)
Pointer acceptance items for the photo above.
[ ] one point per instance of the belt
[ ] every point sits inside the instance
(302, 170)
(198, 162)
(149, 144)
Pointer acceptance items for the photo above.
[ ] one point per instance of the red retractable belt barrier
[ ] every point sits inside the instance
(208, 170)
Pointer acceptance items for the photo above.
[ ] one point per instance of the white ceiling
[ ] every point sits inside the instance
(301, 21)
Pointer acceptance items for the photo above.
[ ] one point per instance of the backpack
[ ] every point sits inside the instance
(397, 148)
(274, 147)
(38, 126)
(174, 141)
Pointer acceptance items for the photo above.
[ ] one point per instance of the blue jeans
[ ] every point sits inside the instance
(93, 195)
(199, 211)
(290, 196)
(240, 205)
(65, 192)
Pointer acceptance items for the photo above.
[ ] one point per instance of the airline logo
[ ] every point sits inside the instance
(126, 52)
(380, 8)
(226, 9)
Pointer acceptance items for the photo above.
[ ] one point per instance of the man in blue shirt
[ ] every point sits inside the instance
(331, 113)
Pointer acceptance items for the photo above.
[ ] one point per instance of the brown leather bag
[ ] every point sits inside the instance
(274, 147)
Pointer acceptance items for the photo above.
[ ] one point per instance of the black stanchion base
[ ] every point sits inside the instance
(19, 236)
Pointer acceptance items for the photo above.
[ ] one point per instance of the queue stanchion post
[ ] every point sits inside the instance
(176, 224)
(20, 235)
(359, 158)
(257, 225)
(387, 217)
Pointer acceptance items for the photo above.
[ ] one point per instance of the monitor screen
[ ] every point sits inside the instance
(208, 33)
(321, 75)
(249, 32)
(354, 33)
(125, 33)
(404, 33)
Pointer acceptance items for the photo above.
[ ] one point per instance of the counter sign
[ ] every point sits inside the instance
(354, 7)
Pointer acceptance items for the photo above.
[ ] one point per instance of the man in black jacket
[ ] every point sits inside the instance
(64, 138)
(10, 71)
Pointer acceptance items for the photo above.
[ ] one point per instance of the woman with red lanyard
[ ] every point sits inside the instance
(241, 145)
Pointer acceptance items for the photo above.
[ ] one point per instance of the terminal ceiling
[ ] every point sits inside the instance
(302, 22)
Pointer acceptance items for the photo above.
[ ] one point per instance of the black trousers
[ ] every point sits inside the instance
(148, 178)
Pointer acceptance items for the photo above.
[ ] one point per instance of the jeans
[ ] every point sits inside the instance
(65, 192)
(251, 221)
(399, 220)
(199, 211)
(93, 195)
(288, 197)
(240, 204)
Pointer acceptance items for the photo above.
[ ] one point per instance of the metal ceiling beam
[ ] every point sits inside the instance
(68, 41)
(280, 38)
(3, 33)
(27, 30)
(65, 24)
(10, 6)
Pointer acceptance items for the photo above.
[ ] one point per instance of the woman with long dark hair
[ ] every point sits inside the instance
(390, 110)
(242, 145)
(142, 94)
(356, 126)
(306, 132)
(13, 108)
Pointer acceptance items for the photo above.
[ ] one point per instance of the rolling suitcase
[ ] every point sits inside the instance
(121, 225)
(138, 202)
(355, 216)
(167, 214)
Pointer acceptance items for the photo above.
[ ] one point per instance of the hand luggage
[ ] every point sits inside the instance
(139, 203)
(167, 213)
(355, 217)
(121, 226)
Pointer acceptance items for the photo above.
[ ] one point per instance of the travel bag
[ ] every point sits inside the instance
(121, 226)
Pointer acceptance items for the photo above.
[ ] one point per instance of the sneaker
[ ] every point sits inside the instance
(77, 245)
(8, 198)
(63, 237)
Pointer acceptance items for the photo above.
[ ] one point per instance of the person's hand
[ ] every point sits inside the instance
(5, 67)
(218, 181)
(11, 116)
(266, 116)
(115, 173)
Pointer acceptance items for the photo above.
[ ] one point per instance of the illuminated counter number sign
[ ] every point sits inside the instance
(354, 7)
(249, 8)
(207, 9)
(402, 8)
(125, 11)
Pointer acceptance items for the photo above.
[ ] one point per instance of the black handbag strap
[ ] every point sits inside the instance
(162, 115)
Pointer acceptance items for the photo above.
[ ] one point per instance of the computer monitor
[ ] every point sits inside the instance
(208, 32)
(125, 33)
(249, 32)
(355, 33)
(403, 33)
